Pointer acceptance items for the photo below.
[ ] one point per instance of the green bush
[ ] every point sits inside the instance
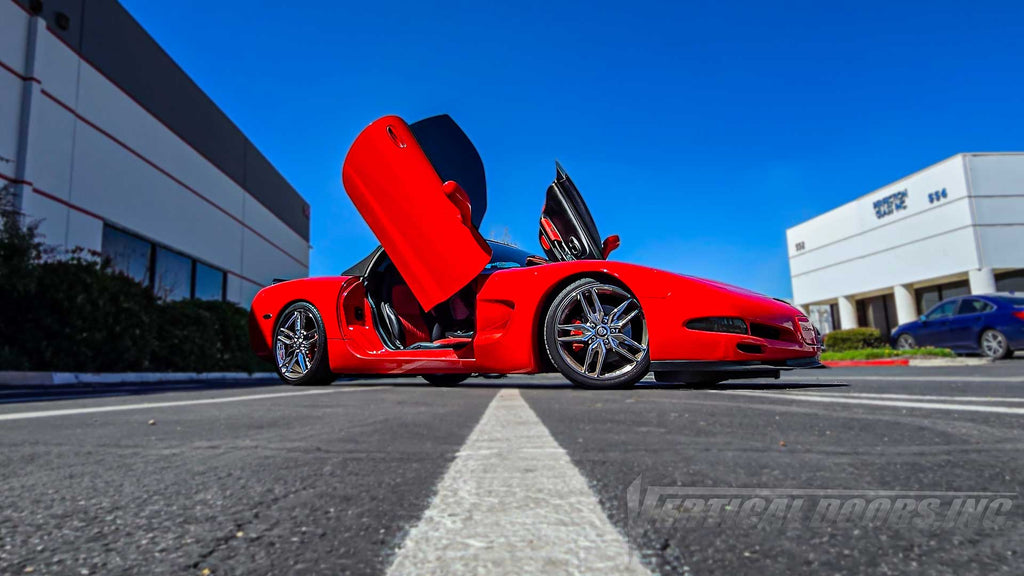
(83, 317)
(203, 336)
(70, 312)
(853, 339)
(878, 353)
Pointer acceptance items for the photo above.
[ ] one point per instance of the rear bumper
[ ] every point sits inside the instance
(700, 371)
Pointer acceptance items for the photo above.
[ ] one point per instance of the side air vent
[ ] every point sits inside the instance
(765, 331)
(749, 348)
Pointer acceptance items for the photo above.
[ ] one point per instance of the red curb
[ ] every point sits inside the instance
(878, 362)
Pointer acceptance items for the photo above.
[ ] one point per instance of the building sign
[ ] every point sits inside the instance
(891, 204)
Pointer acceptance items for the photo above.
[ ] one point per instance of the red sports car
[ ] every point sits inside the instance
(438, 300)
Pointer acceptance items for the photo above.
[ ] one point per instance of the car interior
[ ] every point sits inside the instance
(403, 324)
(401, 321)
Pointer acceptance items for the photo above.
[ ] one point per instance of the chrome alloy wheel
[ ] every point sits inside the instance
(993, 343)
(297, 344)
(905, 342)
(601, 331)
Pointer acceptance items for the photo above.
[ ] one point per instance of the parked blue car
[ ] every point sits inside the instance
(992, 324)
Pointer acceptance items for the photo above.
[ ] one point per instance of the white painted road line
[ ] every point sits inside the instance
(1007, 399)
(844, 399)
(116, 408)
(513, 503)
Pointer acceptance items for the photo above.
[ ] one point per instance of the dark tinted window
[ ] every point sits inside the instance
(173, 279)
(973, 306)
(928, 297)
(173, 276)
(209, 283)
(941, 311)
(128, 254)
(1010, 281)
(955, 289)
(505, 256)
(454, 157)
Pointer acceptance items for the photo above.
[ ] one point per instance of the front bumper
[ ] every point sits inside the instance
(701, 371)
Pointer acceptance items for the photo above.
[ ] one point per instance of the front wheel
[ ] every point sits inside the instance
(300, 347)
(994, 344)
(905, 342)
(596, 335)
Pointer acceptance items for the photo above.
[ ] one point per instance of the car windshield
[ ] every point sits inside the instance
(506, 256)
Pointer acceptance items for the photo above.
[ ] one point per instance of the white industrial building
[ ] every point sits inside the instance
(114, 148)
(954, 228)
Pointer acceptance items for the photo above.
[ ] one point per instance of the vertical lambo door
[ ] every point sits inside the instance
(420, 188)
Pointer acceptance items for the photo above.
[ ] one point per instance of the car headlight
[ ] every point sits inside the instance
(718, 324)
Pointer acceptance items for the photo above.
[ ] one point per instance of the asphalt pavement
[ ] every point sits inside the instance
(883, 470)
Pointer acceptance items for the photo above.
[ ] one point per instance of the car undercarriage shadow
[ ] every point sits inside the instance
(740, 385)
(548, 382)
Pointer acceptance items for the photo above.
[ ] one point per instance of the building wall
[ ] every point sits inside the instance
(853, 250)
(997, 187)
(94, 154)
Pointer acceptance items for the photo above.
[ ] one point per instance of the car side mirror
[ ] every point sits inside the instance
(921, 318)
(457, 196)
(610, 243)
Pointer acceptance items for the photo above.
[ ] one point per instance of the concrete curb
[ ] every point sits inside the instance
(918, 362)
(71, 379)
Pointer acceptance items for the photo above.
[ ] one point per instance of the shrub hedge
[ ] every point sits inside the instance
(877, 353)
(72, 312)
(853, 339)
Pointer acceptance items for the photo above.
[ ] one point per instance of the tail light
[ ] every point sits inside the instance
(1019, 314)
(807, 331)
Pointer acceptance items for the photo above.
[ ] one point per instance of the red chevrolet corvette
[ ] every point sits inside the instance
(438, 300)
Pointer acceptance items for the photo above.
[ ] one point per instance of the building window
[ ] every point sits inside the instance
(209, 283)
(878, 312)
(1010, 281)
(932, 295)
(171, 275)
(127, 254)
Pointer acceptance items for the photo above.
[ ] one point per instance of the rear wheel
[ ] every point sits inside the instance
(596, 335)
(300, 347)
(994, 344)
(905, 342)
(445, 379)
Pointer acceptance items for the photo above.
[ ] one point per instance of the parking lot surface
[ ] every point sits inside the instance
(806, 474)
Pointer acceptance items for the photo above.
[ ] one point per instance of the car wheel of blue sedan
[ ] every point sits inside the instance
(905, 342)
(994, 345)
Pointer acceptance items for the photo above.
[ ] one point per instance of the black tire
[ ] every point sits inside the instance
(625, 347)
(905, 342)
(318, 368)
(445, 380)
(994, 344)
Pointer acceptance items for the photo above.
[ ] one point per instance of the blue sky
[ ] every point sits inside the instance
(698, 132)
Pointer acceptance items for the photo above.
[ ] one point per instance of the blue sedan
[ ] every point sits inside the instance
(992, 324)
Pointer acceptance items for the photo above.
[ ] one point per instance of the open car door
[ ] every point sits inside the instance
(421, 190)
(567, 230)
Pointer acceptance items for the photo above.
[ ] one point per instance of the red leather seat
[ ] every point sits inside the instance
(414, 328)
